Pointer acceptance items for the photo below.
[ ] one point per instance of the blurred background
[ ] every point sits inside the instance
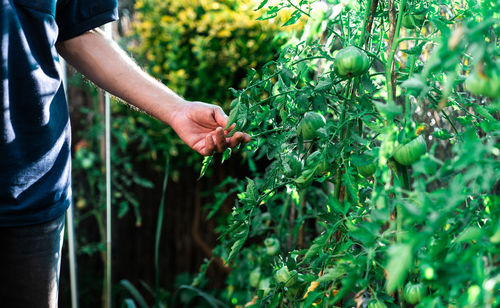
(200, 49)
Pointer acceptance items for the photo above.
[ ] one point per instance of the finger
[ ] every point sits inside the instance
(230, 128)
(220, 140)
(220, 117)
(238, 138)
(209, 146)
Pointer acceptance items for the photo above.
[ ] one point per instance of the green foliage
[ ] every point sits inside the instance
(355, 239)
(201, 48)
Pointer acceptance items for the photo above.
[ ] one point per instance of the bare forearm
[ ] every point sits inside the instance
(104, 63)
(199, 125)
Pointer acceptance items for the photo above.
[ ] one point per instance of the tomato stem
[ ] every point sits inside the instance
(365, 20)
(390, 58)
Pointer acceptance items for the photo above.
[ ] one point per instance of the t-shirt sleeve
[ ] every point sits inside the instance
(75, 17)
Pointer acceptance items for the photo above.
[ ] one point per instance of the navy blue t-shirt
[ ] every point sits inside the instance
(35, 158)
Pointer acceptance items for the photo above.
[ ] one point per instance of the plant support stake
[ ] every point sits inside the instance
(107, 118)
(69, 220)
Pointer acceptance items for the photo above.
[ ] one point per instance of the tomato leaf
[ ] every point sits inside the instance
(332, 274)
(469, 234)
(251, 193)
(241, 237)
(400, 261)
(293, 19)
(388, 110)
(204, 166)
(262, 4)
(319, 243)
(351, 187)
(324, 84)
(271, 12)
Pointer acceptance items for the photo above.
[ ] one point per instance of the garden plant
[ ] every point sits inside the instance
(377, 135)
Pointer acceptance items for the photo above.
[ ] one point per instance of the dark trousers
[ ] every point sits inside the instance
(30, 259)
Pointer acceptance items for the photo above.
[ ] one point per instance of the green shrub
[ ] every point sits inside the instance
(201, 48)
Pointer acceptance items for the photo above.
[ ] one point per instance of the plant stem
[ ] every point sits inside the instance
(369, 24)
(365, 21)
(389, 65)
(159, 224)
(445, 115)
(307, 59)
(298, 8)
(390, 84)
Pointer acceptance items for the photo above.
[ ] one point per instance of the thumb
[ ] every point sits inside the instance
(220, 117)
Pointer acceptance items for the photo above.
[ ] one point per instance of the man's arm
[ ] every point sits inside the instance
(102, 61)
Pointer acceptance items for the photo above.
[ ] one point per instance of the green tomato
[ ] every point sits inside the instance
(367, 170)
(264, 285)
(414, 292)
(365, 163)
(376, 304)
(272, 246)
(473, 294)
(481, 84)
(283, 275)
(351, 62)
(415, 18)
(254, 277)
(309, 125)
(427, 271)
(411, 152)
(412, 21)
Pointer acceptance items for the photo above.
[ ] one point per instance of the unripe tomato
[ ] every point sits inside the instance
(479, 83)
(473, 293)
(412, 21)
(367, 170)
(411, 152)
(272, 246)
(283, 275)
(427, 271)
(310, 124)
(365, 163)
(264, 285)
(255, 277)
(376, 304)
(351, 62)
(414, 292)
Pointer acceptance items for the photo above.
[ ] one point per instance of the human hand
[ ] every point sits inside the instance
(201, 127)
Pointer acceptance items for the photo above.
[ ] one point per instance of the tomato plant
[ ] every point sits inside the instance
(398, 183)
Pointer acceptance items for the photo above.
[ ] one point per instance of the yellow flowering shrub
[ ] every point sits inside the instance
(200, 48)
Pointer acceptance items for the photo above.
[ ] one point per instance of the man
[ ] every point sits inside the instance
(35, 130)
